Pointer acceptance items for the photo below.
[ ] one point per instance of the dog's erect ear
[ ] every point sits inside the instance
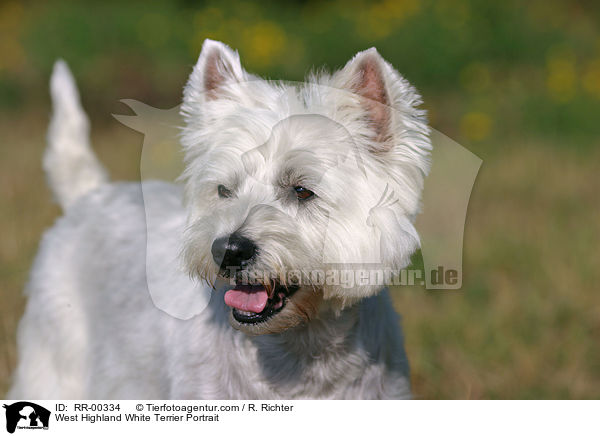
(367, 80)
(217, 67)
(385, 97)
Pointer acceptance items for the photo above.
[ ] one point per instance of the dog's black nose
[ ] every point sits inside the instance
(233, 251)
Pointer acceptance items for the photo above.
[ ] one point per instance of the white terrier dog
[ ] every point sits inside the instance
(280, 181)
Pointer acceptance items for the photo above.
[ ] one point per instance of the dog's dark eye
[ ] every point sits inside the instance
(223, 191)
(303, 193)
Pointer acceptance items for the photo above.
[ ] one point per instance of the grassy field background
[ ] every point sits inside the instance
(517, 83)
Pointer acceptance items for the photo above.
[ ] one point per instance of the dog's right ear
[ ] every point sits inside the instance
(218, 66)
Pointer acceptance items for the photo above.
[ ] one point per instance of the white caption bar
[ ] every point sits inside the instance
(299, 417)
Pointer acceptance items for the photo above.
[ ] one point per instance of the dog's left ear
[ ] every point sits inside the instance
(217, 68)
(385, 98)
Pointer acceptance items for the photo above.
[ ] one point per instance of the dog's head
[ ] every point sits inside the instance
(292, 187)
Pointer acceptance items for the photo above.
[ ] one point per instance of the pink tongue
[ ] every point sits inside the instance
(247, 298)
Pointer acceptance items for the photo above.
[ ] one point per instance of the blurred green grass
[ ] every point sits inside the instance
(518, 83)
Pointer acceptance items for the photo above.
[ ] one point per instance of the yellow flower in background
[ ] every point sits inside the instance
(561, 78)
(591, 78)
(263, 42)
(379, 19)
(476, 126)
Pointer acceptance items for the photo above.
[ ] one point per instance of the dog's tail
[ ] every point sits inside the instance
(71, 167)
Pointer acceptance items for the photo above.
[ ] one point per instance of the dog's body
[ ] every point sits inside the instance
(91, 329)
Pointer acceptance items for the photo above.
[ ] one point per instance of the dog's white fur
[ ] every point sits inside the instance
(90, 329)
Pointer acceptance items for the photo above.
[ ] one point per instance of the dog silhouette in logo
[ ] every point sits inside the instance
(31, 412)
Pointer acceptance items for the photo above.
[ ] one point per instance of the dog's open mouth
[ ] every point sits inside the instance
(252, 304)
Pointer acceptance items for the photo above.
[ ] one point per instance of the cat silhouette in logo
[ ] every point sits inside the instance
(28, 411)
